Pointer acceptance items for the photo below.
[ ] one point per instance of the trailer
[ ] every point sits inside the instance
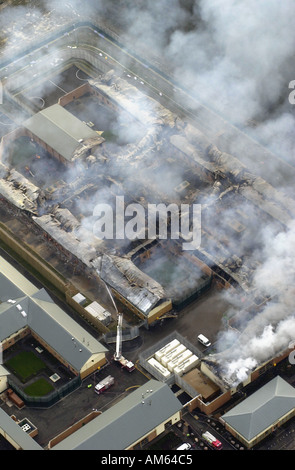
(104, 384)
(165, 349)
(179, 359)
(156, 365)
(171, 354)
(215, 443)
(186, 365)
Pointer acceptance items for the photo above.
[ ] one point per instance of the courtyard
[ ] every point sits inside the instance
(35, 372)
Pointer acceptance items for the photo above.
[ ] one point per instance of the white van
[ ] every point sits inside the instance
(205, 341)
(184, 446)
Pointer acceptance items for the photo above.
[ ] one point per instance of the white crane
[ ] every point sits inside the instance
(118, 354)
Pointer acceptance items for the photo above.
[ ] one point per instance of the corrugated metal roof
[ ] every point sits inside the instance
(59, 129)
(127, 421)
(261, 409)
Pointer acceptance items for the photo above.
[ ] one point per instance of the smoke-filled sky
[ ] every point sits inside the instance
(236, 57)
(273, 328)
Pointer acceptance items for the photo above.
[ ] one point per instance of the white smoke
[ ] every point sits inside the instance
(237, 58)
(271, 330)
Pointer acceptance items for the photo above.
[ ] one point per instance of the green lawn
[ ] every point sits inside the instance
(25, 365)
(39, 388)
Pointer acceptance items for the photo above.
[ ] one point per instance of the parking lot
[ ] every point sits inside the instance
(189, 430)
(203, 315)
(82, 401)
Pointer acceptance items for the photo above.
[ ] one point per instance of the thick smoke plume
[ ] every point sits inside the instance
(235, 57)
(271, 330)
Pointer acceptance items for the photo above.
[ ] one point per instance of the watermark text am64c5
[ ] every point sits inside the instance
(137, 222)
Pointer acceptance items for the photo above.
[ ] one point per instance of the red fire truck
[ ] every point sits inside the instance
(104, 384)
(212, 440)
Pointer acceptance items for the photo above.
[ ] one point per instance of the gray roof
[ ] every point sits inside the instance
(45, 318)
(60, 129)
(261, 409)
(12, 283)
(11, 319)
(57, 328)
(127, 421)
(15, 432)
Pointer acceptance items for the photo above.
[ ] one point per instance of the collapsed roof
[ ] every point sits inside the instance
(19, 190)
(137, 287)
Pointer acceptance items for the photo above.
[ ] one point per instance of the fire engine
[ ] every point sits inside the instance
(212, 440)
(104, 384)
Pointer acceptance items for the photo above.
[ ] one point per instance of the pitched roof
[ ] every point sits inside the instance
(60, 129)
(127, 421)
(16, 433)
(12, 283)
(40, 313)
(261, 409)
(61, 332)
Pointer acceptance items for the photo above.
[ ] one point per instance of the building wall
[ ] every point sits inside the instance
(157, 431)
(11, 340)
(75, 94)
(32, 258)
(266, 432)
(131, 307)
(3, 383)
(53, 352)
(157, 312)
(209, 408)
(269, 364)
(9, 439)
(95, 362)
(73, 428)
(49, 149)
(83, 90)
(81, 310)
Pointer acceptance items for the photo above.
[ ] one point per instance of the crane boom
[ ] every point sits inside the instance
(118, 353)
